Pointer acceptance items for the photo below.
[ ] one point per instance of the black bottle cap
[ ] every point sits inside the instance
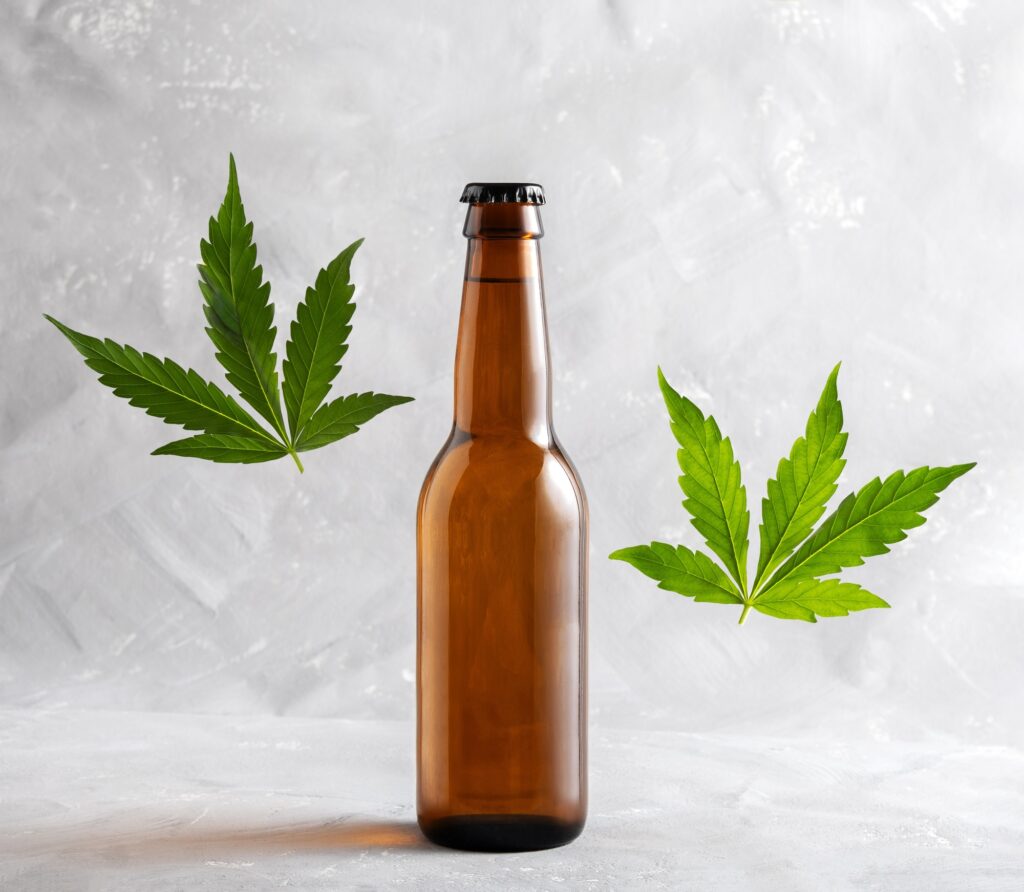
(495, 193)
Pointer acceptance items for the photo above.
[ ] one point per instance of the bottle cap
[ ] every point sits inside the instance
(496, 193)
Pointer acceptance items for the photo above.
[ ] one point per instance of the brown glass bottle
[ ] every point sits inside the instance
(502, 566)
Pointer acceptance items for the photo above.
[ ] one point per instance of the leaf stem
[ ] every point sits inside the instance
(746, 610)
(295, 455)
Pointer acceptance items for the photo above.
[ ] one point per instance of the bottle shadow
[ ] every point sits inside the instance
(173, 842)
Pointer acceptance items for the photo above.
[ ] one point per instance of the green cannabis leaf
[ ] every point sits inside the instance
(787, 584)
(715, 498)
(238, 306)
(317, 341)
(804, 482)
(677, 569)
(342, 417)
(241, 326)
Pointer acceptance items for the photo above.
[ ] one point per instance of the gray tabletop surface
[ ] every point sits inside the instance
(96, 800)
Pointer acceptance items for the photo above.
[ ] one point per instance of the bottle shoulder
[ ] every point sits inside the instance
(462, 448)
(500, 462)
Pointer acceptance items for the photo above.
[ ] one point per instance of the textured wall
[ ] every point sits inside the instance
(743, 192)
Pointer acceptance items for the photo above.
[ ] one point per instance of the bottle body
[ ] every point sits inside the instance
(502, 575)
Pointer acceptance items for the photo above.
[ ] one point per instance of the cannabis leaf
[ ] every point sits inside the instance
(792, 558)
(224, 448)
(715, 498)
(163, 388)
(241, 326)
(317, 340)
(805, 598)
(238, 306)
(343, 416)
(804, 482)
(677, 569)
(867, 521)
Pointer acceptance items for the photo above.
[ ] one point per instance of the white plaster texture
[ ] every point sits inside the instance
(743, 192)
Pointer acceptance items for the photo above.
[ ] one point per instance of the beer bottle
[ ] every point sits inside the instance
(502, 566)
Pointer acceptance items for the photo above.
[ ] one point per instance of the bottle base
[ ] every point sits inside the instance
(500, 833)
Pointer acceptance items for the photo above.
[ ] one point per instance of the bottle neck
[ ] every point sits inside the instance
(502, 364)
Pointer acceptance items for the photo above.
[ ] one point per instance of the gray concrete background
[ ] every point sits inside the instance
(744, 193)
